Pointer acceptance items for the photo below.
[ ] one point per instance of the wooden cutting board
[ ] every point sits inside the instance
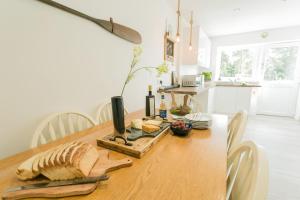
(103, 165)
(139, 147)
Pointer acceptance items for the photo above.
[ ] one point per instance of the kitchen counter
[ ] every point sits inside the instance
(190, 90)
(236, 84)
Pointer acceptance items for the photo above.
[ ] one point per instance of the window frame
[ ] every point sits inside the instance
(238, 47)
(267, 47)
(258, 69)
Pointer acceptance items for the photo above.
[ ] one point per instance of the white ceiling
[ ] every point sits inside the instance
(223, 17)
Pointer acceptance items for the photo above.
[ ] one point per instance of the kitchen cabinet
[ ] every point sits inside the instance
(200, 53)
(204, 49)
(231, 99)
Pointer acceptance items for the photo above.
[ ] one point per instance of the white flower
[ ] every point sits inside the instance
(137, 51)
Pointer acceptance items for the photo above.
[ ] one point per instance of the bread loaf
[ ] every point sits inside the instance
(148, 128)
(67, 161)
(153, 122)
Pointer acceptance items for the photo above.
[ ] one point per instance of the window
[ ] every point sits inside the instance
(281, 63)
(265, 62)
(237, 63)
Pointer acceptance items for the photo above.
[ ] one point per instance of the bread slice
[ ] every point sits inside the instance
(49, 169)
(25, 172)
(61, 169)
(85, 160)
(44, 159)
(58, 166)
(67, 161)
(35, 166)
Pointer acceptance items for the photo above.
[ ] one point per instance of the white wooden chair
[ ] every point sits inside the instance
(59, 125)
(104, 112)
(236, 129)
(247, 173)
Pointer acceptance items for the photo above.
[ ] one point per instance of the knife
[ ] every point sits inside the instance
(77, 181)
(114, 28)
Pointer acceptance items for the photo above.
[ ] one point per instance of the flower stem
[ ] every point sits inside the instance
(142, 68)
(123, 89)
(126, 81)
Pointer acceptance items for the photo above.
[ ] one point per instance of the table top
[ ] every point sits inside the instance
(192, 167)
(190, 90)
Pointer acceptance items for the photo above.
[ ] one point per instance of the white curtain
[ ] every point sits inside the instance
(298, 107)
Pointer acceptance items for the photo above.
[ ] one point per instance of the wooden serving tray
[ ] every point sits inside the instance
(139, 147)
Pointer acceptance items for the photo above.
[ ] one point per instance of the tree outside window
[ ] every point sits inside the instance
(238, 62)
(281, 63)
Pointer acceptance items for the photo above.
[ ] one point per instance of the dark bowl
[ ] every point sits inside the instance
(181, 132)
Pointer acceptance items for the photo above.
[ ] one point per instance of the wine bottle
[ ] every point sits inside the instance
(150, 103)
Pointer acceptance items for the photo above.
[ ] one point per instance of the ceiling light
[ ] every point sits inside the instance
(264, 35)
(237, 10)
(178, 38)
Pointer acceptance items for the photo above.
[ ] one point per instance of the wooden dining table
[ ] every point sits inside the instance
(176, 168)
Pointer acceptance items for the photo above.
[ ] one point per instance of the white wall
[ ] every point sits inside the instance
(51, 61)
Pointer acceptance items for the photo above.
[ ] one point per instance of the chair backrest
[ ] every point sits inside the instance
(59, 125)
(104, 112)
(236, 129)
(247, 173)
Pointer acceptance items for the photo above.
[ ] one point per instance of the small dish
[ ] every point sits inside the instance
(181, 128)
(177, 117)
(199, 117)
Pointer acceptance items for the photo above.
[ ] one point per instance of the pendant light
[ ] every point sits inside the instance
(178, 22)
(191, 32)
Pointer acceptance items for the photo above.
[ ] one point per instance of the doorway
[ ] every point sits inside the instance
(280, 72)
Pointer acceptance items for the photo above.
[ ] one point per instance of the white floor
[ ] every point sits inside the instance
(281, 139)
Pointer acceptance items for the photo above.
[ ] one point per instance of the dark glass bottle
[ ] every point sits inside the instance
(150, 103)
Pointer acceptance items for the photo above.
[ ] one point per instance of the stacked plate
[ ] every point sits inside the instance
(199, 120)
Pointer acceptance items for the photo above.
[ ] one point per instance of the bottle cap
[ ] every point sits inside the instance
(150, 87)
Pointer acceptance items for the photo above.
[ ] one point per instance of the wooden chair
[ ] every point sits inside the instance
(247, 173)
(236, 129)
(104, 112)
(59, 125)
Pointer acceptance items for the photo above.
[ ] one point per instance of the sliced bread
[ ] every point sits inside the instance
(85, 161)
(25, 172)
(67, 161)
